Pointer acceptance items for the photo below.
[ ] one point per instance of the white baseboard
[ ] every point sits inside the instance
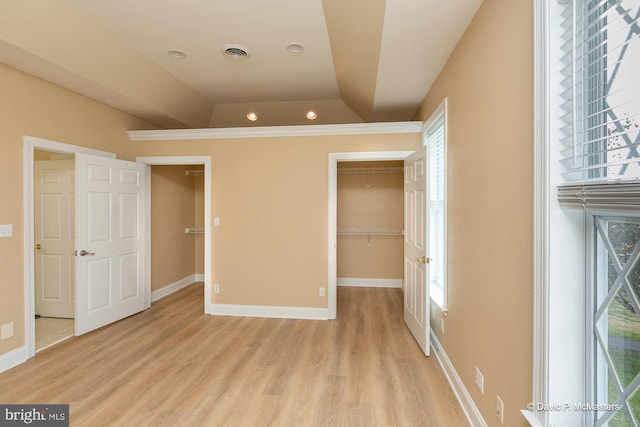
(369, 283)
(13, 358)
(306, 313)
(468, 405)
(175, 286)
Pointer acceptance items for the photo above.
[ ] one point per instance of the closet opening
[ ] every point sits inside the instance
(169, 219)
(177, 227)
(370, 224)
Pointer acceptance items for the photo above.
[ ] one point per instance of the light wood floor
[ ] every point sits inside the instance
(173, 366)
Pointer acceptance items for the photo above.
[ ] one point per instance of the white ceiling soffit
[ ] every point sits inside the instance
(53, 40)
(282, 113)
(355, 31)
(417, 39)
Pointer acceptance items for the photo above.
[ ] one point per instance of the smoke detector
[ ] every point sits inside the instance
(235, 51)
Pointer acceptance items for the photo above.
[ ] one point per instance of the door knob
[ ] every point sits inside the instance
(424, 260)
(85, 253)
(38, 246)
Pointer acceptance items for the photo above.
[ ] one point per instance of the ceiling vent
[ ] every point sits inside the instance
(235, 51)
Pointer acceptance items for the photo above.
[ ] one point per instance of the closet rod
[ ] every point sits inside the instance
(369, 232)
(371, 170)
(194, 172)
(193, 230)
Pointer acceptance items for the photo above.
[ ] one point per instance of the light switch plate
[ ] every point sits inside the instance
(6, 230)
(7, 330)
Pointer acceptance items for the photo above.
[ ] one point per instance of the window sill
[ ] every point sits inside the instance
(531, 419)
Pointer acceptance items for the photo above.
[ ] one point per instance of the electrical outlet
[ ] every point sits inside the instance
(479, 380)
(216, 289)
(500, 409)
(7, 330)
(321, 291)
(6, 230)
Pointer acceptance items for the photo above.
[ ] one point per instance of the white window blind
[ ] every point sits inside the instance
(618, 197)
(602, 108)
(435, 140)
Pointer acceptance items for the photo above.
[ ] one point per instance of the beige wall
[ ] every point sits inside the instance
(173, 207)
(489, 84)
(33, 107)
(370, 200)
(271, 197)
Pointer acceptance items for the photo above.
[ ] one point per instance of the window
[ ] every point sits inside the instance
(587, 157)
(615, 342)
(600, 174)
(435, 136)
(605, 97)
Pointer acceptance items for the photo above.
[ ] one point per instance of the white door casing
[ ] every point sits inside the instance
(416, 263)
(332, 203)
(54, 232)
(205, 161)
(110, 240)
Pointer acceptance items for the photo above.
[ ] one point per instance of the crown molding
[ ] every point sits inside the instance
(277, 131)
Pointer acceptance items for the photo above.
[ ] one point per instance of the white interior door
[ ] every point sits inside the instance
(416, 271)
(54, 236)
(110, 241)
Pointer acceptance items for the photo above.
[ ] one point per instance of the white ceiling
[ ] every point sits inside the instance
(364, 60)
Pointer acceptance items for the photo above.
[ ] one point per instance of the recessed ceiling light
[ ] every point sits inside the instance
(252, 116)
(311, 115)
(176, 54)
(295, 48)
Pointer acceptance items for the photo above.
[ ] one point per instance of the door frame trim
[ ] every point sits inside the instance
(30, 144)
(185, 160)
(332, 224)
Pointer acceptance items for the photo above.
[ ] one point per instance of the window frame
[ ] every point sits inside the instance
(559, 330)
(438, 119)
(596, 259)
